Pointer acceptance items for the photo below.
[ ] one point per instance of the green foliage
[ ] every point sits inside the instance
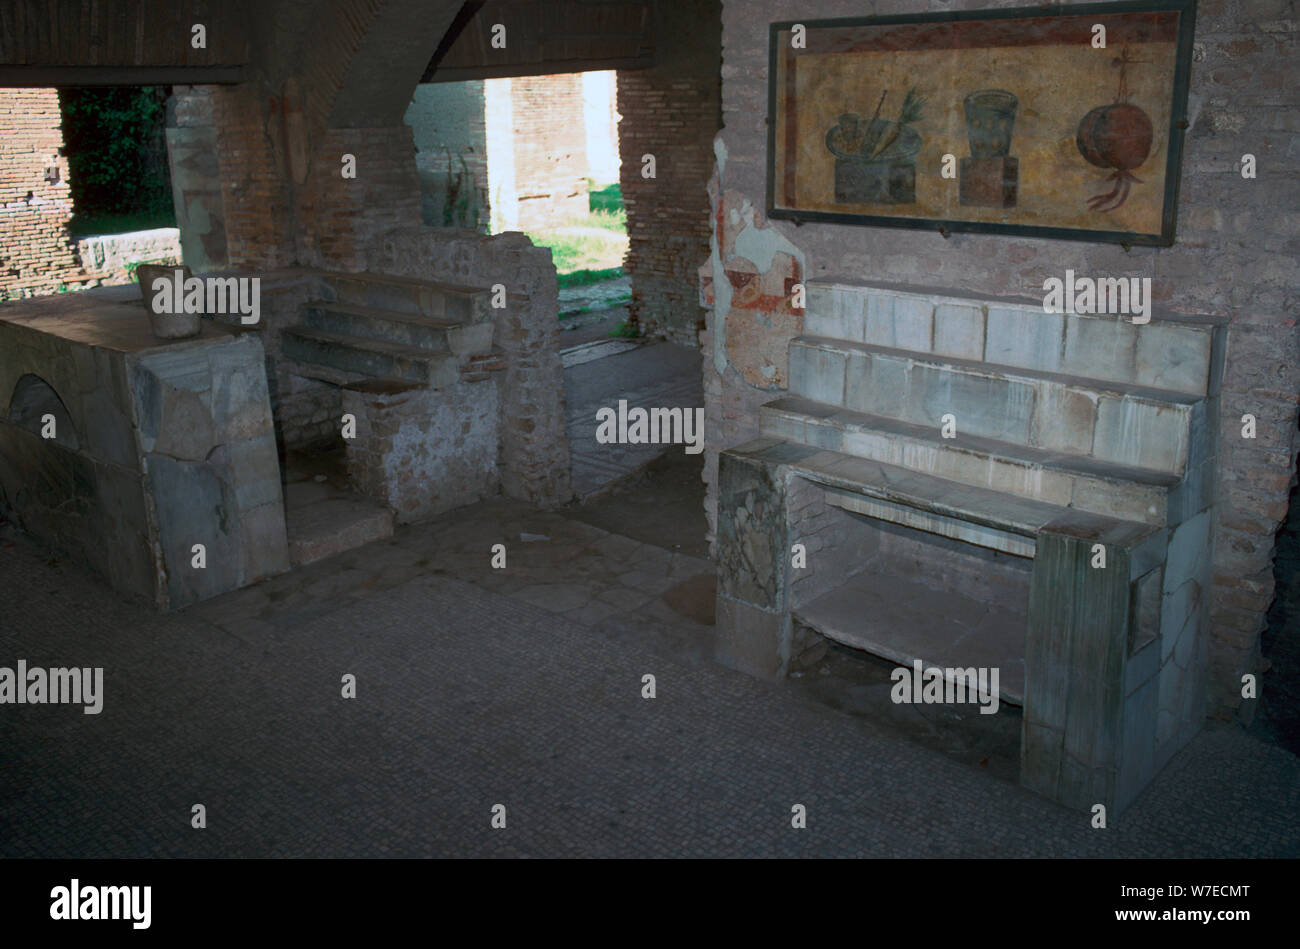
(615, 220)
(135, 265)
(115, 140)
(608, 198)
(625, 330)
(581, 278)
(595, 241)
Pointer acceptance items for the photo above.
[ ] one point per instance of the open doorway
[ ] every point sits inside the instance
(537, 154)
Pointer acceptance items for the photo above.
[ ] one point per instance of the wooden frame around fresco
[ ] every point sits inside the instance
(894, 185)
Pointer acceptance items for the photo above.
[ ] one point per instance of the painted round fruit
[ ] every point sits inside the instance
(1115, 136)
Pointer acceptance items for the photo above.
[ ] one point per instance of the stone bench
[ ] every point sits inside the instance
(1074, 435)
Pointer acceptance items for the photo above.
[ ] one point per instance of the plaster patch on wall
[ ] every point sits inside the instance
(761, 245)
(716, 290)
(755, 268)
(749, 281)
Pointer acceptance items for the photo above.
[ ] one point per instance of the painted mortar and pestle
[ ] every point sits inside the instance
(990, 117)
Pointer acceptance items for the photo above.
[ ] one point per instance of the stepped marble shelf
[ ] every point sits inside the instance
(1015, 470)
(1083, 446)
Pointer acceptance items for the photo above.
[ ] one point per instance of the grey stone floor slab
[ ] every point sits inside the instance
(468, 697)
(661, 375)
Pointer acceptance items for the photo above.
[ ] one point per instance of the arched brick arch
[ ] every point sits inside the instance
(365, 58)
(339, 87)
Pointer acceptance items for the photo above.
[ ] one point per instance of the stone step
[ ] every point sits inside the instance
(938, 505)
(1002, 468)
(1170, 352)
(452, 302)
(359, 356)
(327, 527)
(1110, 421)
(409, 329)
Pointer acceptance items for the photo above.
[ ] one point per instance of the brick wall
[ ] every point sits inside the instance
(254, 190)
(324, 220)
(550, 148)
(1234, 257)
(338, 216)
(671, 112)
(532, 173)
(36, 255)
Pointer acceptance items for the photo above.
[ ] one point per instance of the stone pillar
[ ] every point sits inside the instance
(499, 142)
(1091, 663)
(671, 111)
(196, 178)
(753, 615)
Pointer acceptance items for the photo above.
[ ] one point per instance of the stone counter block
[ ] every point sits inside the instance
(1073, 431)
(1019, 336)
(1144, 434)
(174, 446)
(959, 330)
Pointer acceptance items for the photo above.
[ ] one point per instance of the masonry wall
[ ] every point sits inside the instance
(534, 461)
(671, 112)
(831, 538)
(337, 216)
(550, 153)
(517, 149)
(423, 452)
(254, 191)
(447, 120)
(36, 255)
(1234, 257)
